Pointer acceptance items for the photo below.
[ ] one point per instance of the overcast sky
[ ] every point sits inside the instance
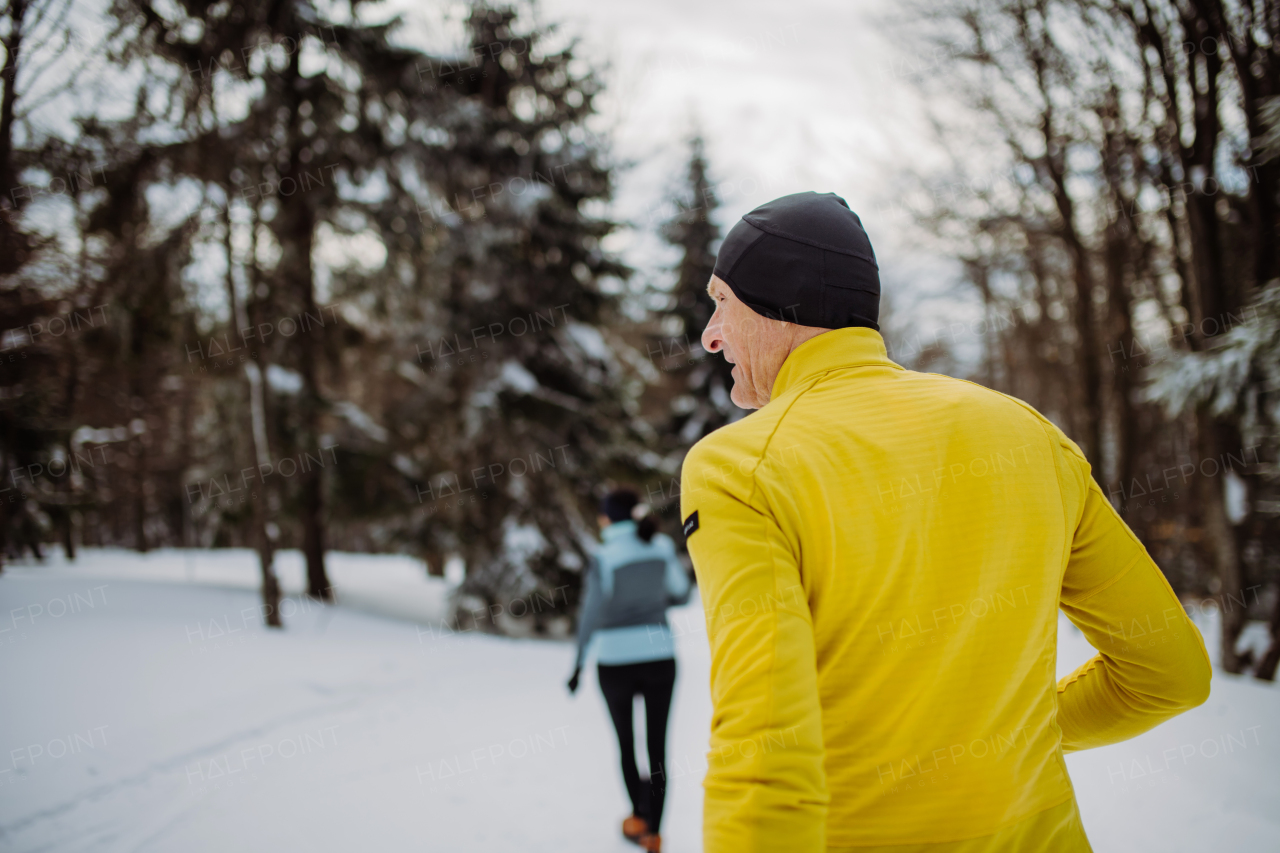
(791, 96)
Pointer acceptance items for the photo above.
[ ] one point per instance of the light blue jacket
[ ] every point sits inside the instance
(627, 589)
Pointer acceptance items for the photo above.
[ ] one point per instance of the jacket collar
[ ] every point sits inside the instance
(618, 529)
(852, 347)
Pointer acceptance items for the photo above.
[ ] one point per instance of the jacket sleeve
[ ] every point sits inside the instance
(765, 787)
(592, 610)
(1151, 663)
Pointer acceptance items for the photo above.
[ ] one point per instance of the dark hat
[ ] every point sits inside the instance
(619, 503)
(805, 259)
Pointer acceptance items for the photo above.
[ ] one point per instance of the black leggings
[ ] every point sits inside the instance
(654, 681)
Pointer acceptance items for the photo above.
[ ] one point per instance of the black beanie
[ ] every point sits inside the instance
(804, 259)
(618, 504)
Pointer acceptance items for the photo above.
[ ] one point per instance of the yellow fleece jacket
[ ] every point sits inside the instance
(881, 555)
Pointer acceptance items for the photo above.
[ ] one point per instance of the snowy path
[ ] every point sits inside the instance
(163, 718)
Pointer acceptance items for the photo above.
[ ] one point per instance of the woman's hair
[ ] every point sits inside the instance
(624, 505)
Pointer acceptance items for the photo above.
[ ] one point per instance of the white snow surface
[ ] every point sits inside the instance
(145, 709)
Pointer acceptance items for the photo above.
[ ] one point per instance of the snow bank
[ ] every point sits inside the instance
(387, 584)
(145, 709)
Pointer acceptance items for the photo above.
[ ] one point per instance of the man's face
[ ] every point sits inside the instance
(756, 346)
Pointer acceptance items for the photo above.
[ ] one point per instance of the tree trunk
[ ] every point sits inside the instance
(313, 535)
(266, 531)
(1126, 419)
(312, 477)
(182, 520)
(1220, 539)
(297, 229)
(68, 535)
(14, 246)
(1055, 164)
(264, 527)
(9, 92)
(266, 560)
(1090, 370)
(6, 512)
(1214, 295)
(139, 494)
(1267, 666)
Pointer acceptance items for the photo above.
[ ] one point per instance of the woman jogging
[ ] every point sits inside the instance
(633, 578)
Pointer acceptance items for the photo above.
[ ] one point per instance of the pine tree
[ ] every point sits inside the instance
(700, 380)
(548, 398)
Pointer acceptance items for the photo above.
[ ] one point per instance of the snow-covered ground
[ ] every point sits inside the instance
(144, 708)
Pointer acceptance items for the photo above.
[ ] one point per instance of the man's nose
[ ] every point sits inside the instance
(712, 341)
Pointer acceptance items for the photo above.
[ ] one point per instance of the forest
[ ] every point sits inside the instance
(310, 286)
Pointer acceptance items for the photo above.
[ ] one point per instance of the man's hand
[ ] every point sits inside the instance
(573, 682)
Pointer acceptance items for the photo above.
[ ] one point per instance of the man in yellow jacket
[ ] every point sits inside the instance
(882, 555)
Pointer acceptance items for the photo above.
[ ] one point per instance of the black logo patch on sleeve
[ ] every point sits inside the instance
(691, 524)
